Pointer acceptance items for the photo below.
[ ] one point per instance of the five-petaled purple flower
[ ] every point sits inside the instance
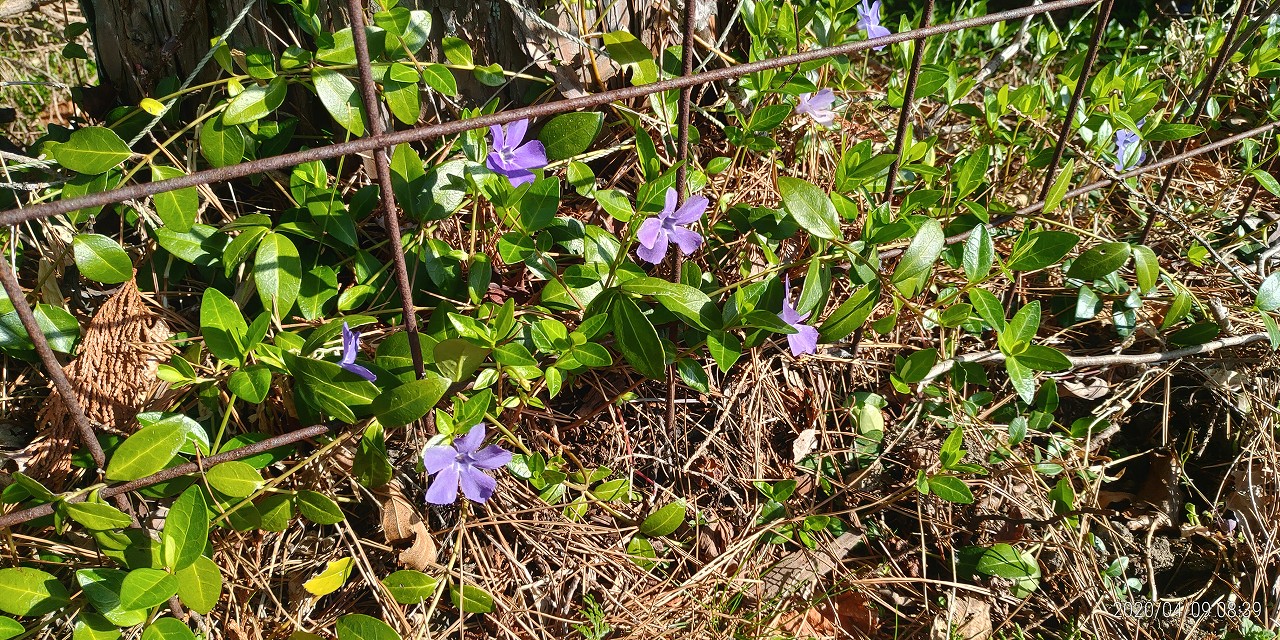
(511, 156)
(351, 348)
(1129, 152)
(658, 232)
(463, 463)
(869, 21)
(805, 340)
(818, 106)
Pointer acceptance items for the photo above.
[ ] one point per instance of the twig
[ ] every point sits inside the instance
(1078, 362)
(19, 517)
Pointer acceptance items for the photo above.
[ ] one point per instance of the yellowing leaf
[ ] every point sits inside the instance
(331, 579)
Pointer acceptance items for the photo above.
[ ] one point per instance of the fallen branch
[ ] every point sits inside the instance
(1078, 362)
(19, 517)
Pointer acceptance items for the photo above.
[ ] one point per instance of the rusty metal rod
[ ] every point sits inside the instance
(25, 515)
(52, 367)
(390, 213)
(1082, 82)
(222, 174)
(1202, 102)
(683, 118)
(908, 101)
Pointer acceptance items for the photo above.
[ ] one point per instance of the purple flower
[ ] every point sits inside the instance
(463, 462)
(350, 348)
(511, 156)
(805, 340)
(818, 106)
(869, 21)
(671, 225)
(1129, 152)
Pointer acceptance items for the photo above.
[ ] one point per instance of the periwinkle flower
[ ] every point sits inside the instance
(463, 462)
(350, 349)
(869, 21)
(818, 106)
(657, 233)
(1129, 152)
(511, 156)
(805, 340)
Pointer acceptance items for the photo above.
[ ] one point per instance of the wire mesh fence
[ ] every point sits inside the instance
(379, 142)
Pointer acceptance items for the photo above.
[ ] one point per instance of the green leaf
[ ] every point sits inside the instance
(102, 588)
(628, 51)
(641, 552)
(440, 78)
(1059, 188)
(10, 628)
(410, 401)
(96, 516)
(664, 521)
(916, 366)
(1267, 181)
(1269, 293)
(615, 204)
(685, 301)
(1023, 380)
(570, 134)
(255, 103)
(1173, 131)
(951, 489)
(222, 145)
(201, 245)
(168, 629)
(921, 254)
(1039, 249)
(277, 271)
(979, 254)
(1147, 267)
(357, 626)
(177, 208)
(186, 529)
(371, 467)
(102, 259)
(637, 339)
(251, 383)
(410, 587)
(335, 388)
(318, 507)
(970, 171)
(223, 326)
(810, 206)
(471, 599)
(1022, 328)
(91, 626)
(458, 359)
(339, 98)
(335, 575)
(457, 52)
(30, 592)
(725, 348)
(1004, 561)
(145, 588)
(146, 451)
(235, 479)
(1181, 305)
(1100, 261)
(1198, 333)
(1041, 358)
(91, 150)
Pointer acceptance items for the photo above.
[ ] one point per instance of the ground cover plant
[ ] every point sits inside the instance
(843, 372)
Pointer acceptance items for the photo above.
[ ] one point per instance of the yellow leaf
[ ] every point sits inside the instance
(331, 579)
(152, 106)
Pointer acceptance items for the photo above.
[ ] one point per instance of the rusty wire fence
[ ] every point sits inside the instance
(379, 141)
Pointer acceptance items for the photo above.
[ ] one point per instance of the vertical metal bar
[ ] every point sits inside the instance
(1202, 102)
(908, 101)
(683, 117)
(52, 368)
(1086, 71)
(390, 213)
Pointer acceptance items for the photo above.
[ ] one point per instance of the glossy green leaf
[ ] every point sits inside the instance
(440, 78)
(168, 629)
(1100, 261)
(471, 599)
(410, 401)
(277, 271)
(223, 326)
(177, 208)
(357, 626)
(570, 134)
(255, 102)
(30, 592)
(250, 384)
(851, 314)
(10, 628)
(683, 300)
(145, 588)
(1022, 378)
(339, 98)
(234, 478)
(102, 588)
(637, 339)
(222, 144)
(664, 521)
(145, 452)
(1147, 268)
(91, 150)
(1059, 187)
(96, 516)
(1039, 249)
(810, 206)
(1042, 358)
(410, 587)
(102, 259)
(1269, 293)
(186, 529)
(924, 250)
(979, 254)
(318, 507)
(951, 489)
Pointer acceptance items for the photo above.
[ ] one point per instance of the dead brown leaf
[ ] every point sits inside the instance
(401, 521)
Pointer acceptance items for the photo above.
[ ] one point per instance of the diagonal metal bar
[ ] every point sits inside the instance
(386, 140)
(1202, 102)
(26, 515)
(1082, 83)
(908, 104)
(52, 367)
(390, 213)
(683, 117)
